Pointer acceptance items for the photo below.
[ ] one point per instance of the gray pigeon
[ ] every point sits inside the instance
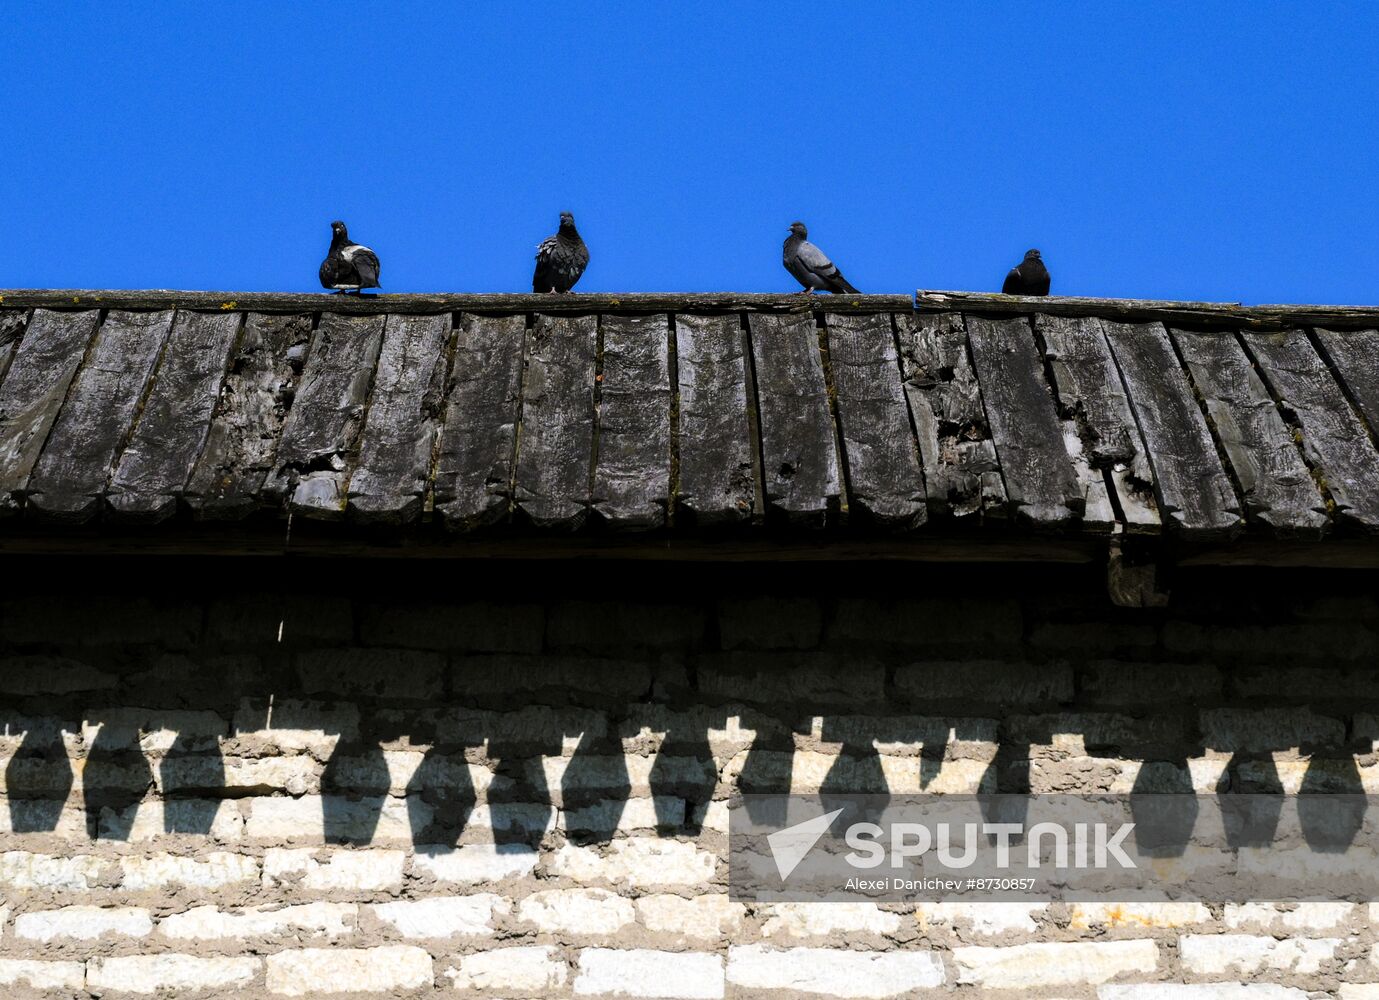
(560, 259)
(810, 266)
(1029, 277)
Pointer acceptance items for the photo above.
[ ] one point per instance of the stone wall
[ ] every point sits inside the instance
(511, 781)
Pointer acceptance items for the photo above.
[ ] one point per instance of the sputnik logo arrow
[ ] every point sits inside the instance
(789, 846)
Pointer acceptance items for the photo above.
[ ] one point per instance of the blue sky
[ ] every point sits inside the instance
(1221, 151)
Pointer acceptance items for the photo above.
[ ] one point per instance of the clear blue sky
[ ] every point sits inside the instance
(1149, 149)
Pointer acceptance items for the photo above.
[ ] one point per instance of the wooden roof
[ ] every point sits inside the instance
(690, 417)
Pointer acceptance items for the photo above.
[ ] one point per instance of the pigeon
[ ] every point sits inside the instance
(1029, 277)
(809, 265)
(348, 267)
(560, 259)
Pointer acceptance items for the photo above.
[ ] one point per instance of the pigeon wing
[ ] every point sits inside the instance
(816, 262)
(1011, 286)
(543, 279)
(365, 263)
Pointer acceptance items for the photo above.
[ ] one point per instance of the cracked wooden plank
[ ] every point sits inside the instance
(254, 399)
(632, 467)
(961, 474)
(1335, 442)
(1098, 513)
(717, 479)
(389, 482)
(557, 437)
(1353, 357)
(12, 324)
(155, 467)
(1024, 423)
(1090, 393)
(1278, 487)
(1195, 496)
(798, 440)
(73, 472)
(474, 471)
(883, 472)
(321, 432)
(33, 391)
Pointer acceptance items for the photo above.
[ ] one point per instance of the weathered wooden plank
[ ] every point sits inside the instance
(1195, 495)
(1334, 441)
(961, 474)
(1277, 485)
(155, 466)
(1353, 357)
(1219, 315)
(557, 436)
(798, 440)
(12, 324)
(389, 483)
(1089, 392)
(321, 431)
(254, 400)
(717, 482)
(632, 465)
(883, 471)
(1024, 422)
(72, 473)
(474, 471)
(1098, 514)
(493, 304)
(32, 393)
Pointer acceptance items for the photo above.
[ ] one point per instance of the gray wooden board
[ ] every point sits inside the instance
(1090, 392)
(632, 467)
(1278, 487)
(321, 431)
(556, 441)
(961, 474)
(389, 483)
(1354, 358)
(254, 400)
(33, 390)
(1195, 495)
(1335, 442)
(473, 483)
(1038, 474)
(798, 439)
(72, 473)
(155, 466)
(1098, 515)
(12, 323)
(883, 471)
(716, 483)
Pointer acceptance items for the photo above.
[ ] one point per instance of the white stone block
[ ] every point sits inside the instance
(833, 972)
(349, 970)
(164, 973)
(443, 916)
(1054, 964)
(513, 970)
(83, 923)
(638, 972)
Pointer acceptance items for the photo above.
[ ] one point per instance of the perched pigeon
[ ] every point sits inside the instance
(809, 265)
(560, 259)
(1029, 277)
(348, 266)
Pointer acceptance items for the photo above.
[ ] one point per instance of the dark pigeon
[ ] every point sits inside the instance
(809, 265)
(348, 266)
(560, 259)
(1029, 277)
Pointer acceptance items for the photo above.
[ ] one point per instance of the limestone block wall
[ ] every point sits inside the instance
(385, 782)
